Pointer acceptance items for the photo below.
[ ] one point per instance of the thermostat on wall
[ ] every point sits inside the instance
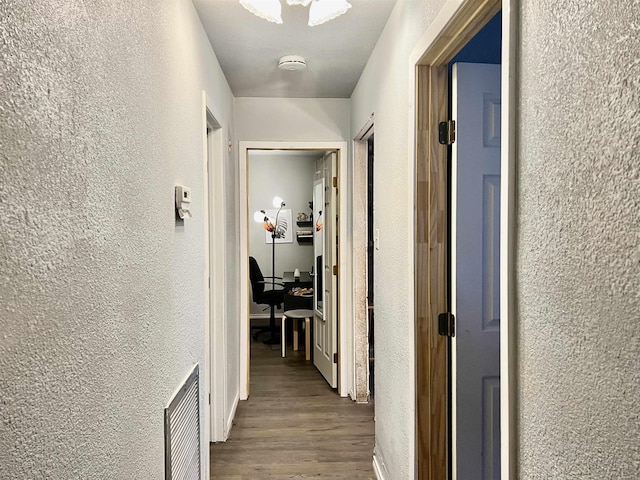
(183, 201)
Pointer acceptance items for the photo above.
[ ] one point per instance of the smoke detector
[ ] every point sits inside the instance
(292, 62)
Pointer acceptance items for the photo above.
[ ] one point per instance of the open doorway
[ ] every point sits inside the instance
(474, 96)
(463, 244)
(329, 339)
(371, 245)
(297, 238)
(287, 175)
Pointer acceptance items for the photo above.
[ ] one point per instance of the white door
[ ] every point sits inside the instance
(476, 271)
(325, 338)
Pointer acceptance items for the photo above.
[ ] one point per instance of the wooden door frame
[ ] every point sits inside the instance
(345, 293)
(455, 25)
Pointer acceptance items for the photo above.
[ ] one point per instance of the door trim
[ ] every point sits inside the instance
(360, 392)
(345, 341)
(457, 22)
(215, 376)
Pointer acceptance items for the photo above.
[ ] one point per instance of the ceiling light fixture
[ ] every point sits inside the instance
(304, 3)
(270, 10)
(321, 11)
(324, 10)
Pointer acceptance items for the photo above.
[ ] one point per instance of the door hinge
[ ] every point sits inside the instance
(335, 357)
(335, 269)
(447, 132)
(335, 182)
(447, 324)
(209, 399)
(209, 282)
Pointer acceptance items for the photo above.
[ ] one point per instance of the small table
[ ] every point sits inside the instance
(297, 315)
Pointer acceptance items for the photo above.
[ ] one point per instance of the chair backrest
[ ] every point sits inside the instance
(256, 278)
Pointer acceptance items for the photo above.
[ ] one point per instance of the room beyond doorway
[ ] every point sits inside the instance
(345, 335)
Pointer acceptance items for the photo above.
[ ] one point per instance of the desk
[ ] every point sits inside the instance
(293, 302)
(289, 281)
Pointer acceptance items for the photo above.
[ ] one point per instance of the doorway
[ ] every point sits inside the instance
(436, 242)
(371, 245)
(297, 233)
(474, 95)
(342, 254)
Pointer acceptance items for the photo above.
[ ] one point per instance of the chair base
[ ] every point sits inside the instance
(273, 340)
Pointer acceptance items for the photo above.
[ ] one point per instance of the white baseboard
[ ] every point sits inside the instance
(232, 415)
(379, 468)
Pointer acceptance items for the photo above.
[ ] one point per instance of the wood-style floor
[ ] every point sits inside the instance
(294, 426)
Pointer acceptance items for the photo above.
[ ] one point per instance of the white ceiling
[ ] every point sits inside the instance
(248, 48)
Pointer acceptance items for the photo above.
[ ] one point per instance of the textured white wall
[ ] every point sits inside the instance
(383, 90)
(290, 177)
(578, 254)
(292, 119)
(101, 291)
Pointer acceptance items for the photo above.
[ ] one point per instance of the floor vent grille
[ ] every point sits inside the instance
(182, 432)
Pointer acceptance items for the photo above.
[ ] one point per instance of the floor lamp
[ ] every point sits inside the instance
(271, 225)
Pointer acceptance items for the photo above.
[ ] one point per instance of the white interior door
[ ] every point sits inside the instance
(475, 271)
(325, 338)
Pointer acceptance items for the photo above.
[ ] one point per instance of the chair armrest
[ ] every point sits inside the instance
(271, 283)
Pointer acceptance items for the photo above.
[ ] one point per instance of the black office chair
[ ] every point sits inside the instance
(262, 296)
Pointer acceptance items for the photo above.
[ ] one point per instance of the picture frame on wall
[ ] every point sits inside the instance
(284, 228)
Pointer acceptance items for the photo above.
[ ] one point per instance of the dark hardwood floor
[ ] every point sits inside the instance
(294, 426)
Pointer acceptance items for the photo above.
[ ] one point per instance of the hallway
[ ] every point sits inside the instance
(294, 426)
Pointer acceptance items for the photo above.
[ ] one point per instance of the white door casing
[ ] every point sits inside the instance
(476, 109)
(215, 282)
(325, 344)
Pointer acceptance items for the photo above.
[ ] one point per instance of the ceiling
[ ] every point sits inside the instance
(248, 48)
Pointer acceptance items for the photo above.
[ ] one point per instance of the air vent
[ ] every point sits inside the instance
(182, 432)
(292, 62)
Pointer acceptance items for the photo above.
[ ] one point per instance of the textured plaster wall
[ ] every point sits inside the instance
(292, 119)
(383, 90)
(101, 290)
(578, 251)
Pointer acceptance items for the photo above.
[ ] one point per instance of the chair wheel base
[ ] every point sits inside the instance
(272, 340)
